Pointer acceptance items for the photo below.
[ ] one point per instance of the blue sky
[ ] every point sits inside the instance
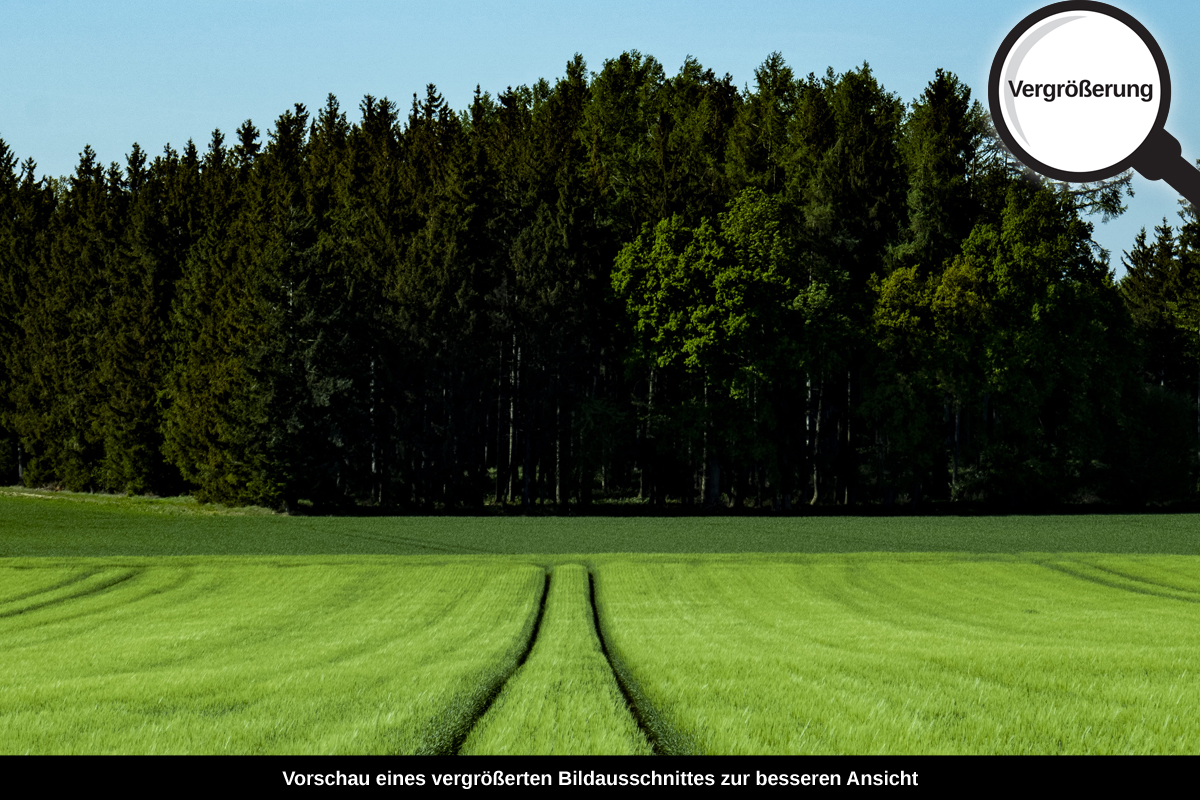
(112, 73)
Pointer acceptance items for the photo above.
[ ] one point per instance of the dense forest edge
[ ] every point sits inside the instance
(620, 292)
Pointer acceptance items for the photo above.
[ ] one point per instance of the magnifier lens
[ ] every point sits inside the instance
(1080, 91)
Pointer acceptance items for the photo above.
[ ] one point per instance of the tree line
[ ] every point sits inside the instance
(619, 285)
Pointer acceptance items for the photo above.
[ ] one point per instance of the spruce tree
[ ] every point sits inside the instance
(12, 288)
(759, 146)
(146, 264)
(1158, 289)
(214, 330)
(940, 137)
(64, 319)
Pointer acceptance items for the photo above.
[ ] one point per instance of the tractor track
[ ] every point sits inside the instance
(634, 709)
(494, 691)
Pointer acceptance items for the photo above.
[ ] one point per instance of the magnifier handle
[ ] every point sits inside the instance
(1160, 158)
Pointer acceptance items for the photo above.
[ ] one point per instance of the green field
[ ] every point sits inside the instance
(246, 655)
(564, 699)
(131, 625)
(921, 653)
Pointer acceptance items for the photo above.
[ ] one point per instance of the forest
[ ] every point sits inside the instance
(620, 287)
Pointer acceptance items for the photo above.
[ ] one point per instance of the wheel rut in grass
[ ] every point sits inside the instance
(100, 581)
(1129, 583)
(76, 577)
(566, 699)
(494, 691)
(634, 709)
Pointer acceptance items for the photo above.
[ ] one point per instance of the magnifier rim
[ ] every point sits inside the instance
(1010, 41)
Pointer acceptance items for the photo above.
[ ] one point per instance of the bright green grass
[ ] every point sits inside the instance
(564, 700)
(884, 653)
(252, 655)
(140, 625)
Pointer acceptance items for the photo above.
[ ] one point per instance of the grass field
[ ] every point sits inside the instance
(136, 625)
(917, 654)
(564, 700)
(219, 655)
(64, 524)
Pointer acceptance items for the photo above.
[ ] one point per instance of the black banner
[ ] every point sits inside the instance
(451, 775)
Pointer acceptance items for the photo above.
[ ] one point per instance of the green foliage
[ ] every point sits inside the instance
(146, 265)
(718, 302)
(617, 121)
(64, 321)
(1160, 288)
(1022, 335)
(211, 321)
(759, 143)
(12, 285)
(941, 136)
(622, 281)
(854, 197)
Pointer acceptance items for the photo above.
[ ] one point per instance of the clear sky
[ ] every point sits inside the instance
(112, 73)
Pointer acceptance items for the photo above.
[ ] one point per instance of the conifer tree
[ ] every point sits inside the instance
(618, 121)
(213, 332)
(940, 137)
(620, 281)
(64, 321)
(25, 251)
(1157, 289)
(365, 232)
(156, 235)
(12, 288)
(759, 146)
(853, 206)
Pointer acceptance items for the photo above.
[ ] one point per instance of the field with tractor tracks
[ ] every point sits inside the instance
(130, 625)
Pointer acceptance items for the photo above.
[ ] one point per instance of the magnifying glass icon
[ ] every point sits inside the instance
(1080, 91)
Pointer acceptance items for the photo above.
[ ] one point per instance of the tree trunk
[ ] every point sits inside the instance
(957, 432)
(816, 412)
(514, 401)
(849, 449)
(704, 448)
(558, 486)
(501, 470)
(526, 470)
(714, 480)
